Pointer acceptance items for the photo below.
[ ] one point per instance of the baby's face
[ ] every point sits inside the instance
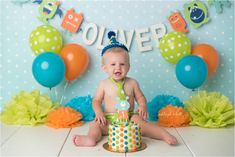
(116, 64)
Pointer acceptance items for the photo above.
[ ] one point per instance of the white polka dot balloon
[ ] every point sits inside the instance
(45, 38)
(174, 46)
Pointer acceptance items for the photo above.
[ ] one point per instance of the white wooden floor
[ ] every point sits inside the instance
(44, 141)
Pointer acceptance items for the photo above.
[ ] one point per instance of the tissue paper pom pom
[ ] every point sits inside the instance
(64, 117)
(84, 106)
(210, 110)
(159, 102)
(172, 116)
(27, 108)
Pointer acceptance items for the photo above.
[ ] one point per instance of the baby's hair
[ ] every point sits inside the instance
(116, 50)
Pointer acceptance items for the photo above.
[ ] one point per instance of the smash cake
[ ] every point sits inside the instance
(124, 137)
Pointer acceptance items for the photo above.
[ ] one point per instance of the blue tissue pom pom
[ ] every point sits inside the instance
(159, 102)
(111, 33)
(84, 106)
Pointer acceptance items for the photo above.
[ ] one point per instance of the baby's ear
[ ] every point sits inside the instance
(103, 67)
(129, 66)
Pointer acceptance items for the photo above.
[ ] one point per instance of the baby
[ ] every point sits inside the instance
(115, 62)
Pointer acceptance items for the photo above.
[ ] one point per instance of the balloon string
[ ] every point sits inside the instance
(62, 97)
(56, 95)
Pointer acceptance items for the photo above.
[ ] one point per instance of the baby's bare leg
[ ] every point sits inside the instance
(94, 135)
(154, 131)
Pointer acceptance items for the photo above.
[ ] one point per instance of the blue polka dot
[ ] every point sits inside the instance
(113, 144)
(125, 131)
(113, 139)
(125, 137)
(113, 128)
(136, 133)
(126, 148)
(113, 133)
(126, 143)
(137, 138)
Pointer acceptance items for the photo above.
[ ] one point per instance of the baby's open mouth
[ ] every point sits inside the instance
(117, 73)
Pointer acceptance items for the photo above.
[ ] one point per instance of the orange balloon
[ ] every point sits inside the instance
(209, 55)
(76, 60)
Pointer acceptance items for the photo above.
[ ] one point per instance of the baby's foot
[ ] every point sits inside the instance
(83, 141)
(170, 139)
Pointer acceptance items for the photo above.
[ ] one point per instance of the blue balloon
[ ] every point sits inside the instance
(48, 69)
(191, 71)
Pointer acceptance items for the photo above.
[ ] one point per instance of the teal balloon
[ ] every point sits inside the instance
(191, 71)
(48, 69)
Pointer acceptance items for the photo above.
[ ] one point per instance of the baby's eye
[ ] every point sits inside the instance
(113, 64)
(122, 64)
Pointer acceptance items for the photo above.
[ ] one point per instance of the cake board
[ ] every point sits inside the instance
(106, 147)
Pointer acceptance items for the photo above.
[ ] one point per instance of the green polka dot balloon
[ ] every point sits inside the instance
(174, 46)
(45, 38)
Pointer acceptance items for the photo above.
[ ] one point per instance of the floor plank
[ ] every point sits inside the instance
(70, 150)
(35, 141)
(209, 142)
(160, 148)
(7, 131)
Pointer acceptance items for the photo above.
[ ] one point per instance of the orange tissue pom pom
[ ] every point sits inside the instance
(172, 116)
(64, 117)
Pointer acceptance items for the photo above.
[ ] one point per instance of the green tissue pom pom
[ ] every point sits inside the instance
(210, 110)
(27, 109)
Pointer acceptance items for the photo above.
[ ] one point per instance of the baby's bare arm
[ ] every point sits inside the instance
(97, 105)
(139, 96)
(141, 100)
(98, 98)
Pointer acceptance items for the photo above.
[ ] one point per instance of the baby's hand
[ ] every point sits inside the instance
(142, 110)
(100, 118)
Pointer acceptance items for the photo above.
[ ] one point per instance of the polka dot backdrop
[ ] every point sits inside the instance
(155, 75)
